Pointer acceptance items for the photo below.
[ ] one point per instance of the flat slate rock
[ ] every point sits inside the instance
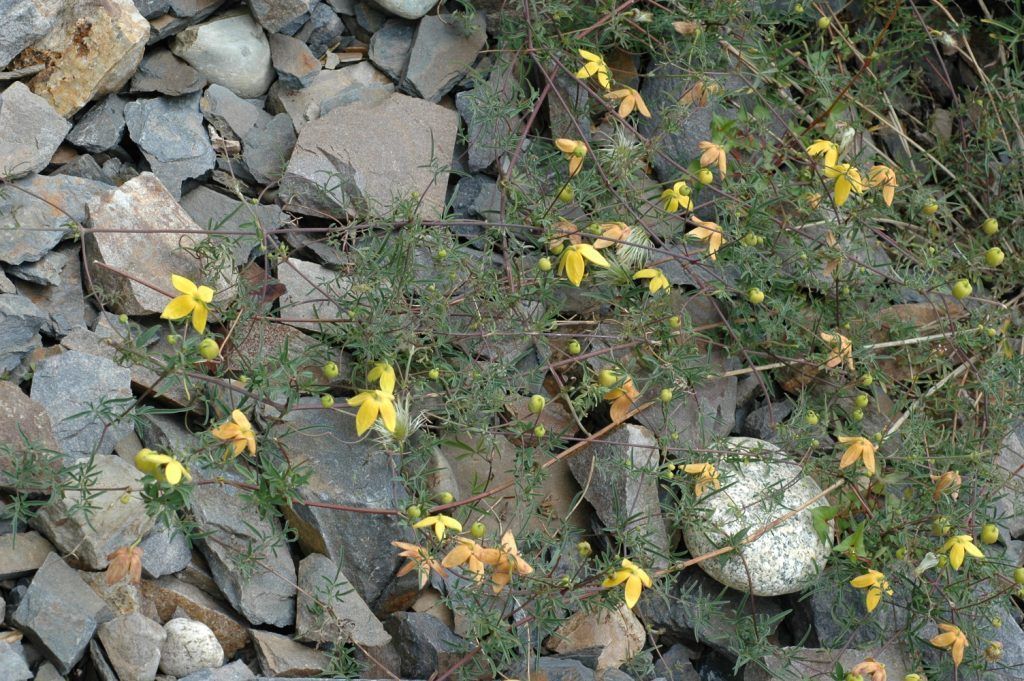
(25, 430)
(59, 613)
(274, 15)
(22, 554)
(25, 22)
(30, 131)
(329, 90)
(442, 55)
(295, 64)
(390, 47)
(329, 610)
(20, 321)
(236, 671)
(230, 50)
(62, 299)
(101, 127)
(13, 664)
(160, 71)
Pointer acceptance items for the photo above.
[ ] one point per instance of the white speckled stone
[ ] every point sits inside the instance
(755, 492)
(190, 646)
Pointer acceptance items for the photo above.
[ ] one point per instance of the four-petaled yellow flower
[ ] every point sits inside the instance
(385, 374)
(194, 300)
(419, 560)
(713, 154)
(575, 151)
(238, 431)
(859, 449)
(573, 261)
(708, 477)
(871, 667)
(678, 196)
(631, 100)
(508, 562)
(441, 524)
(595, 66)
(827, 149)
(374, 403)
(657, 278)
(622, 399)
(876, 584)
(710, 232)
(886, 177)
(842, 350)
(953, 640)
(161, 466)
(634, 577)
(846, 178)
(958, 547)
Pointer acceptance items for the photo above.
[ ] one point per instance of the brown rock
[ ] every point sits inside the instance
(22, 554)
(168, 594)
(618, 632)
(92, 52)
(281, 656)
(24, 429)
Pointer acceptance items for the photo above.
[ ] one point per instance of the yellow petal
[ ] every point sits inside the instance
(633, 589)
(602, 78)
(182, 284)
(592, 254)
(574, 266)
(590, 56)
(618, 577)
(179, 307)
(227, 431)
(451, 523)
(199, 317)
(358, 399)
(238, 416)
(873, 597)
(575, 163)
(457, 556)
(205, 294)
(842, 190)
(366, 415)
(646, 273)
(972, 549)
(956, 556)
(426, 522)
(863, 581)
(172, 473)
(566, 146)
(387, 414)
(588, 70)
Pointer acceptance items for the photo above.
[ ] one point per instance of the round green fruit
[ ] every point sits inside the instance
(824, 22)
(990, 226)
(208, 348)
(705, 176)
(606, 378)
(994, 256)
(544, 264)
(857, 415)
(478, 530)
(327, 401)
(566, 194)
(539, 430)
(989, 534)
(414, 512)
(665, 395)
(434, 374)
(586, 550)
(445, 498)
(1018, 575)
(675, 322)
(962, 289)
(811, 418)
(574, 347)
(930, 208)
(755, 296)
(862, 400)
(331, 370)
(537, 403)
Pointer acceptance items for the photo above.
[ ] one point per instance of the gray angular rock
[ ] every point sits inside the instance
(391, 45)
(45, 205)
(425, 645)
(62, 300)
(231, 50)
(275, 14)
(232, 116)
(476, 197)
(94, 64)
(1009, 463)
(84, 166)
(620, 480)
(756, 492)
(331, 153)
(59, 613)
(407, 9)
(309, 291)
(487, 138)
(763, 423)
(151, 9)
(13, 665)
(442, 55)
(20, 321)
(674, 664)
(22, 421)
(112, 524)
(30, 131)
(279, 655)
(236, 671)
(47, 672)
(264, 594)
(22, 554)
(556, 669)
(368, 17)
(102, 668)
(132, 643)
(73, 382)
(330, 89)
(25, 21)
(792, 663)
(348, 470)
(169, 25)
(616, 634)
(267, 148)
(160, 71)
(101, 127)
(323, 30)
(329, 610)
(296, 66)
(213, 210)
(171, 595)
(169, 131)
(140, 204)
(189, 646)
(164, 552)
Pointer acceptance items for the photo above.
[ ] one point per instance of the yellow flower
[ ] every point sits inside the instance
(710, 232)
(708, 477)
(658, 280)
(420, 560)
(713, 154)
(575, 151)
(506, 561)
(886, 177)
(622, 399)
(194, 300)
(467, 552)
(238, 431)
(161, 466)
(846, 178)
(440, 523)
(958, 546)
(953, 640)
(634, 577)
(876, 584)
(870, 666)
(385, 373)
(860, 448)
(374, 403)
(842, 349)
(595, 66)
(631, 99)
(573, 261)
(827, 149)
(613, 233)
(677, 197)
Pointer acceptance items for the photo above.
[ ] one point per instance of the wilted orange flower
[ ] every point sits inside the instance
(613, 233)
(708, 477)
(622, 399)
(886, 177)
(126, 560)
(238, 431)
(842, 350)
(710, 232)
(419, 560)
(953, 640)
(714, 154)
(870, 667)
(630, 100)
(860, 448)
(950, 480)
(507, 562)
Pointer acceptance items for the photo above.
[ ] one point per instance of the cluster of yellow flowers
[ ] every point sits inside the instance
(846, 178)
